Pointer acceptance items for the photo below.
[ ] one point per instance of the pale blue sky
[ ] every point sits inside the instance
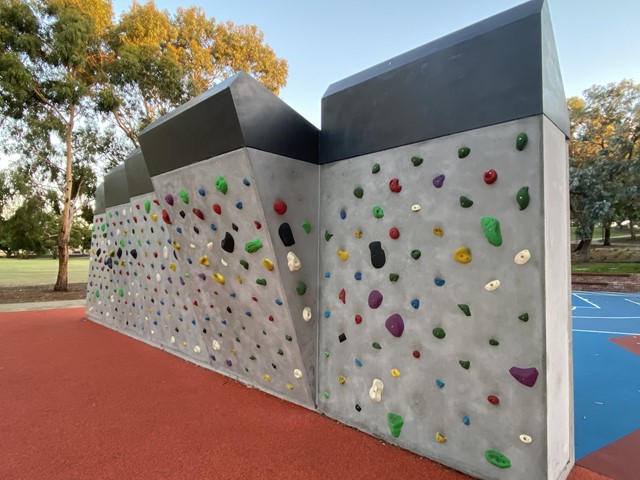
(325, 41)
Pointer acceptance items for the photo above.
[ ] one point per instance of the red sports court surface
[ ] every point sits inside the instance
(79, 401)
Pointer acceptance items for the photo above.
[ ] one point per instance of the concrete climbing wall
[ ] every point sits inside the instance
(97, 269)
(444, 298)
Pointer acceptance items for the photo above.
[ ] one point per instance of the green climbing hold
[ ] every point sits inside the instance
(465, 202)
(378, 212)
(253, 245)
(463, 152)
(325, 394)
(301, 288)
(395, 423)
(358, 192)
(122, 242)
(306, 226)
(493, 342)
(394, 277)
(521, 141)
(415, 254)
(417, 161)
(376, 345)
(498, 459)
(375, 168)
(103, 227)
(280, 352)
(261, 281)
(439, 332)
(465, 364)
(524, 317)
(121, 292)
(491, 228)
(465, 308)
(97, 293)
(221, 185)
(93, 228)
(522, 197)
(252, 357)
(288, 338)
(327, 235)
(244, 264)
(184, 196)
(326, 354)
(147, 206)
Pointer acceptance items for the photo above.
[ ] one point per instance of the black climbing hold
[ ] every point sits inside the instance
(358, 407)
(119, 253)
(134, 253)
(228, 243)
(196, 230)
(182, 214)
(327, 235)
(415, 254)
(234, 226)
(342, 337)
(286, 235)
(524, 317)
(378, 257)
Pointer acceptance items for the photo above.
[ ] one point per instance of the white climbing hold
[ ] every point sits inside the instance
(293, 262)
(165, 252)
(522, 257)
(306, 314)
(173, 339)
(196, 349)
(415, 208)
(158, 277)
(215, 345)
(223, 262)
(375, 391)
(525, 438)
(210, 245)
(492, 285)
(297, 373)
(192, 245)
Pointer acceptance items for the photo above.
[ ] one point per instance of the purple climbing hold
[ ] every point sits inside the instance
(375, 299)
(438, 181)
(395, 325)
(526, 376)
(169, 199)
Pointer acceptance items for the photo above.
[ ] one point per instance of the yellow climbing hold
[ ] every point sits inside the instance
(154, 217)
(437, 231)
(289, 386)
(342, 379)
(343, 254)
(218, 278)
(440, 438)
(176, 245)
(395, 372)
(268, 264)
(358, 234)
(204, 260)
(172, 267)
(239, 279)
(266, 378)
(462, 255)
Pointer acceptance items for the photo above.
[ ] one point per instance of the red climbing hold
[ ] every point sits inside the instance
(255, 299)
(394, 185)
(165, 217)
(198, 213)
(493, 400)
(217, 209)
(394, 233)
(156, 202)
(342, 296)
(271, 318)
(257, 224)
(416, 354)
(195, 302)
(490, 176)
(280, 207)
(358, 319)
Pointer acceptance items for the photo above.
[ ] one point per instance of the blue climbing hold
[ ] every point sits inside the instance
(246, 182)
(178, 229)
(438, 281)
(358, 363)
(239, 205)
(248, 314)
(343, 214)
(327, 274)
(415, 303)
(233, 294)
(358, 276)
(439, 383)
(278, 301)
(213, 227)
(327, 314)
(202, 192)
(466, 420)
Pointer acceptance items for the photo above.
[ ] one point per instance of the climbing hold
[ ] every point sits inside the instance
(394, 185)
(522, 257)
(375, 299)
(526, 376)
(154, 217)
(293, 262)
(395, 325)
(466, 420)
(286, 235)
(439, 383)
(358, 319)
(465, 309)
(439, 281)
(416, 354)
(121, 292)
(343, 254)
(415, 254)
(217, 209)
(493, 342)
(524, 317)
(253, 246)
(438, 181)
(375, 168)
(306, 314)
(342, 337)
(525, 439)
(490, 176)
(438, 231)
(239, 205)
(202, 192)
(268, 264)
(246, 182)
(342, 379)
(327, 235)
(358, 192)
(440, 438)
(301, 288)
(219, 278)
(165, 217)
(493, 400)
(280, 207)
(462, 255)
(376, 345)
(378, 212)
(521, 141)
(184, 196)
(492, 285)
(297, 373)
(496, 458)
(147, 206)
(465, 202)
(465, 364)
(257, 224)
(463, 152)
(415, 303)
(395, 372)
(522, 197)
(228, 243)
(244, 264)
(204, 260)
(378, 257)
(375, 392)
(342, 296)
(261, 281)
(306, 226)
(394, 277)
(417, 161)
(357, 276)
(169, 199)
(394, 233)
(266, 378)
(221, 184)
(176, 245)
(198, 213)
(415, 208)
(395, 423)
(358, 363)
(491, 228)
(439, 333)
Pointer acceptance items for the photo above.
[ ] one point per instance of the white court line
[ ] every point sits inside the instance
(605, 318)
(585, 300)
(631, 301)
(609, 294)
(599, 331)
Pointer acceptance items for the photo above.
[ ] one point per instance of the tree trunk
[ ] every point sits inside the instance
(607, 236)
(632, 229)
(584, 252)
(65, 224)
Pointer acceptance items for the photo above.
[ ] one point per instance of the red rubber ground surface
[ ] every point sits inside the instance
(79, 401)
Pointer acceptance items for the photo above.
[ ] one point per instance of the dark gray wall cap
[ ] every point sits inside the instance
(138, 178)
(239, 112)
(99, 200)
(501, 69)
(116, 190)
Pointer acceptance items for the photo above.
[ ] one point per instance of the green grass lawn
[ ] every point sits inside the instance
(605, 268)
(40, 271)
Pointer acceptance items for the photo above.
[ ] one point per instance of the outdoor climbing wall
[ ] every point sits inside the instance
(445, 295)
(98, 278)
